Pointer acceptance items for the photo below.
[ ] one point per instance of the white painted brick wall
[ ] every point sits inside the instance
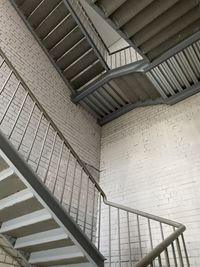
(6, 260)
(22, 49)
(150, 159)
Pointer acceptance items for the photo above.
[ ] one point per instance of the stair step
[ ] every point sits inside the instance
(110, 6)
(73, 53)
(80, 64)
(59, 256)
(9, 183)
(43, 241)
(50, 22)
(31, 223)
(41, 12)
(66, 43)
(85, 264)
(18, 204)
(59, 32)
(3, 164)
(87, 75)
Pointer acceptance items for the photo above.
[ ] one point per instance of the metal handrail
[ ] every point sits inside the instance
(89, 217)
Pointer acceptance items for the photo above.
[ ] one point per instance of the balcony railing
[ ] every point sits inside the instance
(125, 236)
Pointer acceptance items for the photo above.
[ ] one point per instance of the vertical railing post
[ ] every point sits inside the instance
(139, 235)
(166, 250)
(99, 223)
(10, 101)
(129, 238)
(72, 189)
(119, 236)
(185, 250)
(58, 167)
(109, 235)
(65, 178)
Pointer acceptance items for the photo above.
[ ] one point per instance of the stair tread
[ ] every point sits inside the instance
(71, 253)
(9, 183)
(43, 241)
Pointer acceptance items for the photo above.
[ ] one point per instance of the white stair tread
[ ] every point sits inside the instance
(15, 198)
(41, 238)
(6, 173)
(29, 219)
(55, 254)
(85, 264)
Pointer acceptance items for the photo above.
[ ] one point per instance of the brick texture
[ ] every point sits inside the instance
(150, 160)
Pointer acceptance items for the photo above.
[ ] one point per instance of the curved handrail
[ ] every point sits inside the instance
(143, 214)
(148, 259)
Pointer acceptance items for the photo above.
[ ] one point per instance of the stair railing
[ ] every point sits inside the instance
(127, 237)
(119, 58)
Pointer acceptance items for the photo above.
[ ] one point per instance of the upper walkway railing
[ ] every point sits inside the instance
(113, 60)
(125, 236)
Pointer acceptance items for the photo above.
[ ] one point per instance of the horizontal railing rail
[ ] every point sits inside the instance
(123, 235)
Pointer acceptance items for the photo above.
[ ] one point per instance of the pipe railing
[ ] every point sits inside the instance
(125, 236)
(119, 58)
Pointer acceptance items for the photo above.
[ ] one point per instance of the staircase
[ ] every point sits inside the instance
(31, 219)
(161, 65)
(63, 39)
(151, 26)
(52, 210)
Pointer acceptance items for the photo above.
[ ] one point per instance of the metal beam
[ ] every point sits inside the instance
(137, 66)
(171, 52)
(190, 91)
(128, 108)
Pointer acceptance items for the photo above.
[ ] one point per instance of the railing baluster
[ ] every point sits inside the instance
(10, 101)
(6, 81)
(93, 208)
(35, 135)
(151, 239)
(139, 235)
(119, 237)
(159, 261)
(109, 234)
(185, 250)
(2, 62)
(150, 234)
(72, 190)
(18, 115)
(42, 148)
(27, 124)
(86, 205)
(51, 154)
(166, 250)
(65, 178)
(174, 255)
(79, 195)
(179, 252)
(99, 224)
(58, 166)
(129, 237)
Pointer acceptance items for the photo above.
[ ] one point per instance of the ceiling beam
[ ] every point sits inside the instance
(137, 66)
